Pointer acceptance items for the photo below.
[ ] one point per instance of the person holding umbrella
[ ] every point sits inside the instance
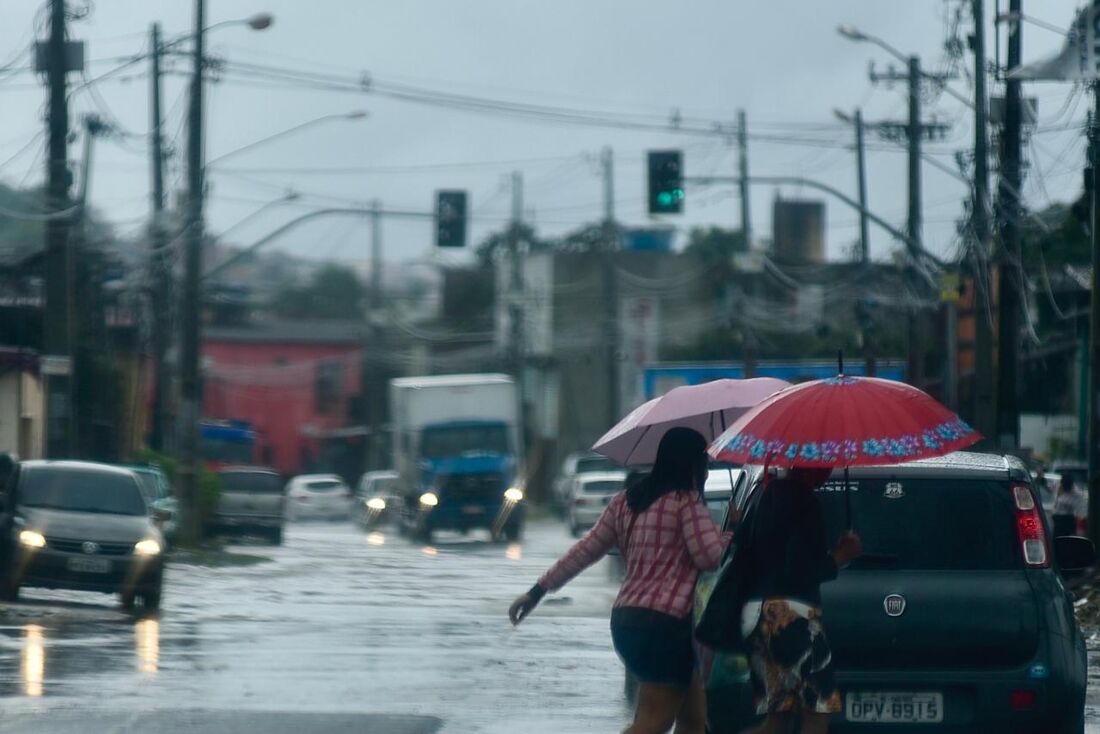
(666, 536)
(786, 562)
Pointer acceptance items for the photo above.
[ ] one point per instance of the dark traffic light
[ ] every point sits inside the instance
(666, 182)
(450, 219)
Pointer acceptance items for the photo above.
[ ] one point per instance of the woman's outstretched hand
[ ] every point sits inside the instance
(521, 607)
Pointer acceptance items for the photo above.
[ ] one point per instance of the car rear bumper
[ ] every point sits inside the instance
(974, 700)
(50, 569)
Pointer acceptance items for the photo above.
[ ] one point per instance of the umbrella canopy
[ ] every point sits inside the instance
(842, 422)
(708, 408)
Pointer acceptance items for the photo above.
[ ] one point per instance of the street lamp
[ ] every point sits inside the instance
(353, 115)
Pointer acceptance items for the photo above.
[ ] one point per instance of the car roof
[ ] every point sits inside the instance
(86, 466)
(601, 476)
(381, 474)
(243, 468)
(969, 463)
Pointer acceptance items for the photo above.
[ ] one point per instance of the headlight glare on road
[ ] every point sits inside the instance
(376, 503)
(147, 547)
(32, 539)
(428, 499)
(513, 494)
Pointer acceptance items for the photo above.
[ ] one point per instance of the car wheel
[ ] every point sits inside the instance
(150, 599)
(277, 536)
(126, 599)
(11, 591)
(513, 531)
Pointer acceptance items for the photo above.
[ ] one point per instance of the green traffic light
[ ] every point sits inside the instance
(678, 194)
(665, 198)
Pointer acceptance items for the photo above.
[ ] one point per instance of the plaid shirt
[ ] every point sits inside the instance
(665, 548)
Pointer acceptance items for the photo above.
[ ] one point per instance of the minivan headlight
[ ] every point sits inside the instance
(147, 547)
(428, 499)
(32, 539)
(376, 503)
(513, 494)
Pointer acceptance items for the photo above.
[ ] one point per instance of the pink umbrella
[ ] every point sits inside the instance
(709, 408)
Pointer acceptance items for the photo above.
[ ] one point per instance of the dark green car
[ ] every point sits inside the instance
(957, 618)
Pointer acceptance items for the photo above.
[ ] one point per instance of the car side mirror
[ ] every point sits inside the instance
(1074, 553)
(161, 515)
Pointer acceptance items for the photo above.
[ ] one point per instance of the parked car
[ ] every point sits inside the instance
(158, 496)
(575, 464)
(84, 526)
(591, 493)
(377, 498)
(251, 502)
(318, 496)
(957, 616)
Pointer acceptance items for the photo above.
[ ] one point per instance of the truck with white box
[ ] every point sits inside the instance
(456, 449)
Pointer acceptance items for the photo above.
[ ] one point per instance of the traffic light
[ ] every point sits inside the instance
(450, 219)
(666, 182)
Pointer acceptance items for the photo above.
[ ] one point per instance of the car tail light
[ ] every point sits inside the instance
(1022, 698)
(1029, 528)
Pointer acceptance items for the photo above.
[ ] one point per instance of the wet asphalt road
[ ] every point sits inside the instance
(339, 631)
(376, 632)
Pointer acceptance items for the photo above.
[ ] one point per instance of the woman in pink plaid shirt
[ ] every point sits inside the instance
(666, 536)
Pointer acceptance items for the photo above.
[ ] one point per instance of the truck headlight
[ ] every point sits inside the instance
(376, 503)
(147, 547)
(428, 499)
(513, 494)
(32, 539)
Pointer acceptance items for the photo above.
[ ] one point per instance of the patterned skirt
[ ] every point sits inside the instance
(789, 657)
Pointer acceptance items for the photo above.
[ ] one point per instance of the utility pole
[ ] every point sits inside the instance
(60, 428)
(160, 283)
(374, 392)
(1094, 325)
(861, 176)
(985, 377)
(913, 221)
(191, 321)
(610, 276)
(1009, 274)
(517, 303)
(754, 289)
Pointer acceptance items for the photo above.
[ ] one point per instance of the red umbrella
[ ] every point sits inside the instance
(841, 422)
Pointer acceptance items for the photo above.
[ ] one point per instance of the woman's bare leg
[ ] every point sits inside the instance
(692, 718)
(657, 709)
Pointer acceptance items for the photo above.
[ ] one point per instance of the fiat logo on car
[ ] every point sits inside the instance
(90, 548)
(894, 604)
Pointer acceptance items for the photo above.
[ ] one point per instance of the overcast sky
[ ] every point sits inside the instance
(780, 60)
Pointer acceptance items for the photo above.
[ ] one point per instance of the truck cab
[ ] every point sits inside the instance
(456, 448)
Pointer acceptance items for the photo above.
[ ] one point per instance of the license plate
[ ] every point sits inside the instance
(89, 565)
(894, 707)
(473, 510)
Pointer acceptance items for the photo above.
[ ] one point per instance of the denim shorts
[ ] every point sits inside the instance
(655, 647)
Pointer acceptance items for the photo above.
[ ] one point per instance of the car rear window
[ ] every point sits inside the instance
(594, 464)
(253, 482)
(601, 487)
(80, 490)
(927, 524)
(324, 485)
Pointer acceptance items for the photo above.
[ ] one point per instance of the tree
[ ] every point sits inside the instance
(333, 292)
(501, 241)
(714, 248)
(1058, 235)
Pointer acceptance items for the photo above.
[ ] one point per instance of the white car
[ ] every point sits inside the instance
(575, 465)
(591, 493)
(318, 496)
(377, 499)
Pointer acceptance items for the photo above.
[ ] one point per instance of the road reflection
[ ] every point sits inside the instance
(376, 539)
(33, 660)
(514, 552)
(147, 645)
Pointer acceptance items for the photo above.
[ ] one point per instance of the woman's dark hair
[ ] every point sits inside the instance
(681, 466)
